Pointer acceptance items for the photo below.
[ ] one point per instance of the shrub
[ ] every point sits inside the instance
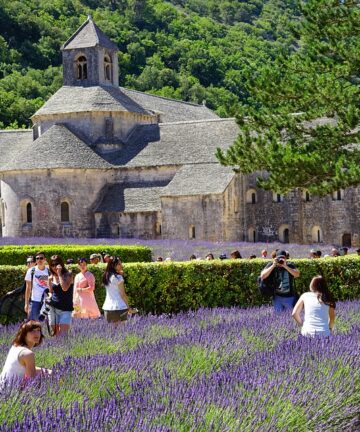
(16, 255)
(173, 287)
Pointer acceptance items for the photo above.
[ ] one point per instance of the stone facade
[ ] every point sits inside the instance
(104, 161)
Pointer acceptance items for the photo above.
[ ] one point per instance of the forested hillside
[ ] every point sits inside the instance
(193, 50)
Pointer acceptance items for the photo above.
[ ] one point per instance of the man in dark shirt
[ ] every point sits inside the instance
(283, 273)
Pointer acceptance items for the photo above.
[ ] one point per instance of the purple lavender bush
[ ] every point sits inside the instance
(211, 370)
(179, 250)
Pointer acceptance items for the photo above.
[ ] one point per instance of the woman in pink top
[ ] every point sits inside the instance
(84, 300)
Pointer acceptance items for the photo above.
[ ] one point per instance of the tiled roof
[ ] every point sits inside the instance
(76, 99)
(200, 179)
(132, 197)
(181, 143)
(171, 110)
(56, 148)
(88, 35)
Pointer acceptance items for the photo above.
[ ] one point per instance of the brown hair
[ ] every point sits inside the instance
(25, 328)
(54, 261)
(318, 284)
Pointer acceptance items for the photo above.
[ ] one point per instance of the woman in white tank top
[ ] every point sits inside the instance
(20, 361)
(319, 309)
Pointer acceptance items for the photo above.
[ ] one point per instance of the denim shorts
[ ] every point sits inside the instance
(35, 308)
(58, 316)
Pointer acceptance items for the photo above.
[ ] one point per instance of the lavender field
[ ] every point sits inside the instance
(210, 370)
(180, 250)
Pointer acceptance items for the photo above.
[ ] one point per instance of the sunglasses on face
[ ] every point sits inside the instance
(39, 258)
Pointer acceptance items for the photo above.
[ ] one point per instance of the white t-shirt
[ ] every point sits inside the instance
(40, 282)
(316, 317)
(113, 300)
(13, 368)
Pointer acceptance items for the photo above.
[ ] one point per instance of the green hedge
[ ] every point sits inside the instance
(173, 287)
(16, 255)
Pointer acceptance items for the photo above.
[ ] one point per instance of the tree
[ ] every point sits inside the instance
(304, 129)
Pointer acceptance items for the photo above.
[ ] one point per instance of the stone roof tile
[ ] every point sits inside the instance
(200, 179)
(74, 99)
(88, 35)
(170, 110)
(56, 148)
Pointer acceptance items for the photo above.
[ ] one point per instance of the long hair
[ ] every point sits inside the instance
(25, 328)
(54, 261)
(111, 269)
(318, 284)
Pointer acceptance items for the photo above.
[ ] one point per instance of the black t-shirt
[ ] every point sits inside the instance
(62, 300)
(284, 281)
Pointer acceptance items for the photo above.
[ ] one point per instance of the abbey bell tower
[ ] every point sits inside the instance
(90, 58)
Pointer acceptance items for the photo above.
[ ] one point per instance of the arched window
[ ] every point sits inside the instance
(65, 213)
(107, 68)
(316, 234)
(306, 196)
(278, 198)
(115, 229)
(251, 196)
(158, 228)
(2, 212)
(192, 232)
(284, 233)
(338, 195)
(81, 68)
(251, 235)
(28, 213)
(109, 128)
(346, 240)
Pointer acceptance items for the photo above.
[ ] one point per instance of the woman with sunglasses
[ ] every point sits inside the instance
(61, 289)
(116, 302)
(20, 361)
(84, 299)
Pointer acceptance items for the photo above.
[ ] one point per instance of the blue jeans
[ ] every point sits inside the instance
(283, 303)
(35, 307)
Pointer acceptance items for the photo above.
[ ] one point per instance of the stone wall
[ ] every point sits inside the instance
(199, 217)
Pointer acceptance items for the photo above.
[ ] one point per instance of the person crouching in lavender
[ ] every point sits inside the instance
(319, 307)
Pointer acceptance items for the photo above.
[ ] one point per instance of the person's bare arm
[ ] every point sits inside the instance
(91, 283)
(331, 319)
(297, 310)
(121, 286)
(27, 359)
(267, 271)
(65, 280)
(27, 296)
(293, 271)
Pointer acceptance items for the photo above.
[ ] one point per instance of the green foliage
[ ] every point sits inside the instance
(16, 255)
(318, 80)
(193, 50)
(174, 287)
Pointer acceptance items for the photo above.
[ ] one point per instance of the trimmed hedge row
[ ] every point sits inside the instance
(16, 255)
(173, 287)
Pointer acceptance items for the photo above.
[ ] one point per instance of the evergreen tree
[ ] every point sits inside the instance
(304, 128)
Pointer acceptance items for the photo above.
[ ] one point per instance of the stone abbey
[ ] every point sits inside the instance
(106, 161)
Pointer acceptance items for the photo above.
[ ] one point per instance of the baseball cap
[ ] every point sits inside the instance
(281, 253)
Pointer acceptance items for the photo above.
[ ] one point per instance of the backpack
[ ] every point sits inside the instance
(12, 304)
(266, 286)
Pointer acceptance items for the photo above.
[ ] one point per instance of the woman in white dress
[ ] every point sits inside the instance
(116, 305)
(20, 361)
(319, 309)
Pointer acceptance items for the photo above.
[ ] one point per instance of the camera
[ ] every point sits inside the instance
(280, 260)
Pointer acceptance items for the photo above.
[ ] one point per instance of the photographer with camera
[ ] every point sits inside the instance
(283, 274)
(61, 286)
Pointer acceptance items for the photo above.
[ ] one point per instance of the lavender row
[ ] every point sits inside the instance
(213, 370)
(179, 250)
